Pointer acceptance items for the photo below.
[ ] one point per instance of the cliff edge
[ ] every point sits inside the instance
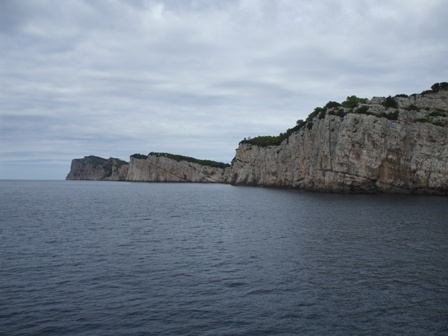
(154, 167)
(395, 144)
(96, 168)
(164, 167)
(383, 145)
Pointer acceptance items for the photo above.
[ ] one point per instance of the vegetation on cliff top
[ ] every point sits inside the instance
(139, 156)
(319, 112)
(179, 158)
(352, 104)
(436, 87)
(119, 163)
(96, 160)
(99, 161)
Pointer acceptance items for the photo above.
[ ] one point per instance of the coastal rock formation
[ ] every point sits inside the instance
(160, 168)
(385, 145)
(96, 168)
(369, 149)
(155, 167)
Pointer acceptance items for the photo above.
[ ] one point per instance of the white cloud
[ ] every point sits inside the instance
(194, 77)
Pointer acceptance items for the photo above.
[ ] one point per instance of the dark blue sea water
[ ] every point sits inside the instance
(112, 258)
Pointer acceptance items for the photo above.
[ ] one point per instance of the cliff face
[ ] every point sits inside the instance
(164, 169)
(397, 145)
(97, 169)
(154, 168)
(358, 152)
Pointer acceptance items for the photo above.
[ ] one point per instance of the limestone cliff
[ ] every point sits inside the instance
(97, 169)
(396, 144)
(155, 167)
(161, 168)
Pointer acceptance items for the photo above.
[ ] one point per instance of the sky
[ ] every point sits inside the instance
(194, 77)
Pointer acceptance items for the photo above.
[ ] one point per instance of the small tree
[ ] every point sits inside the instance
(139, 156)
(353, 101)
(435, 87)
(332, 104)
(390, 102)
(300, 123)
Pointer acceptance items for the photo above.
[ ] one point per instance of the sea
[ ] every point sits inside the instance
(119, 258)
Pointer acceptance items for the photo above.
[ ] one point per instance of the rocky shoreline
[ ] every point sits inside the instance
(385, 145)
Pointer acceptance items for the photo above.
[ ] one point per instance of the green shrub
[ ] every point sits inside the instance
(390, 102)
(402, 95)
(436, 87)
(364, 109)
(437, 114)
(139, 156)
(315, 113)
(427, 92)
(264, 140)
(341, 113)
(413, 107)
(353, 101)
(390, 116)
(322, 114)
(332, 104)
(300, 123)
(422, 120)
(393, 115)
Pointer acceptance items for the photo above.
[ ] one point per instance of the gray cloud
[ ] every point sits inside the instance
(113, 78)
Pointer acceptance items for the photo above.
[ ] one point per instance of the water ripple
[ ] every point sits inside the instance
(177, 259)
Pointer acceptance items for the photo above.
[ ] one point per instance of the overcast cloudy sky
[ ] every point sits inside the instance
(194, 77)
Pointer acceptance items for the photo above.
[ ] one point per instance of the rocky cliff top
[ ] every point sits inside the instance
(430, 106)
(181, 158)
(97, 168)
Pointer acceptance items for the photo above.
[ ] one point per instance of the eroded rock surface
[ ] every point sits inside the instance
(371, 148)
(402, 149)
(163, 169)
(96, 169)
